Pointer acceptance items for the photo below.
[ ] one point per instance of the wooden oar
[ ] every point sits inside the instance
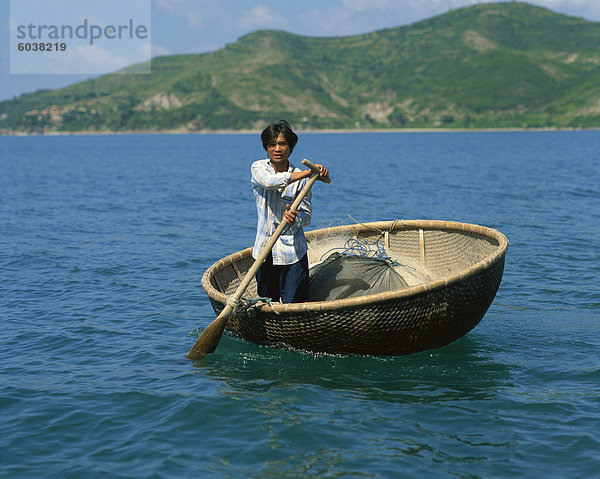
(208, 341)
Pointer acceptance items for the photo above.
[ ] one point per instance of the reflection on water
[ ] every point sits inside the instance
(376, 415)
(460, 371)
(104, 253)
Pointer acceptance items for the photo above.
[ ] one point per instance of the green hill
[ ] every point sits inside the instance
(484, 66)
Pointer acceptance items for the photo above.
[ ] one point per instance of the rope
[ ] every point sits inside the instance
(355, 247)
(247, 303)
(381, 232)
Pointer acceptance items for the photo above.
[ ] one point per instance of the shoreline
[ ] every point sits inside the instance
(301, 131)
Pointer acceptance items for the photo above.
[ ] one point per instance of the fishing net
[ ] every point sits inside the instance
(347, 275)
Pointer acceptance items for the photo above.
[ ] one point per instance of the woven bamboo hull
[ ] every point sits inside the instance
(462, 268)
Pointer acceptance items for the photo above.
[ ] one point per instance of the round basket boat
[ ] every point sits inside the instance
(453, 271)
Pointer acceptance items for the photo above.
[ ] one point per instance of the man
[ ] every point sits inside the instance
(276, 183)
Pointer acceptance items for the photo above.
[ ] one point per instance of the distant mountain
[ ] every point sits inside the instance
(484, 66)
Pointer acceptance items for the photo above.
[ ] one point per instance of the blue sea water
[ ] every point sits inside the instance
(103, 243)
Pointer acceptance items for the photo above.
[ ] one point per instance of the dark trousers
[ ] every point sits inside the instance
(289, 282)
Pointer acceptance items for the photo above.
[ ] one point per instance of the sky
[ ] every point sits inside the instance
(197, 26)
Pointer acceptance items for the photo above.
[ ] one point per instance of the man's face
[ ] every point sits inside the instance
(279, 150)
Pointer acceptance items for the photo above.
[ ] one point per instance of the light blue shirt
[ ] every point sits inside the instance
(272, 192)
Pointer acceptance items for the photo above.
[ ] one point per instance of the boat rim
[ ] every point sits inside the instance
(389, 225)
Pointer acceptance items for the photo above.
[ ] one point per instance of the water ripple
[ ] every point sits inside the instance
(101, 259)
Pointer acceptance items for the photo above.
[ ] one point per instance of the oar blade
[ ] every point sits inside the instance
(208, 341)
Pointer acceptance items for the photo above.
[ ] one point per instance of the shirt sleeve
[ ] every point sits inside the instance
(263, 178)
(304, 213)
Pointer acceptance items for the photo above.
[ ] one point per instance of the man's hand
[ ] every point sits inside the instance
(323, 172)
(290, 215)
(305, 174)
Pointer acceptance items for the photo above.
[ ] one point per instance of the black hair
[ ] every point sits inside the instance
(271, 132)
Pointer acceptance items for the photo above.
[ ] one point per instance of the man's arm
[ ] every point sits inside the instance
(268, 180)
(290, 214)
(300, 175)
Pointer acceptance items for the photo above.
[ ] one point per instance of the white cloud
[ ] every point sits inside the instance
(366, 5)
(92, 59)
(261, 17)
(229, 16)
(589, 9)
(157, 50)
(349, 17)
(198, 13)
(217, 22)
